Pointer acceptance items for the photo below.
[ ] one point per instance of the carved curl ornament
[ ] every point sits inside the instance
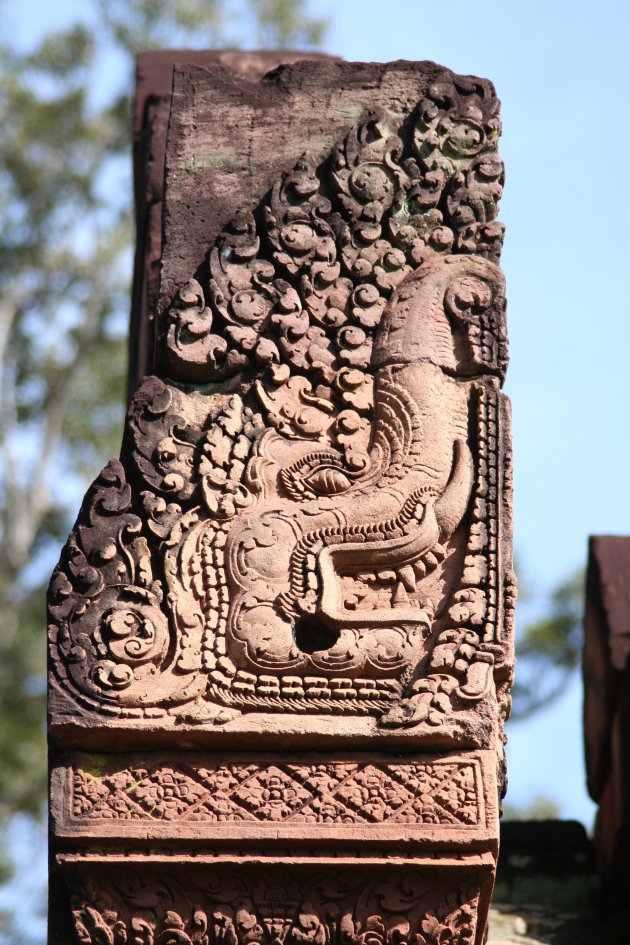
(223, 907)
(308, 516)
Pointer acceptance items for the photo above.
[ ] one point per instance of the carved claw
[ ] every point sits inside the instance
(200, 712)
(478, 678)
(451, 507)
(409, 712)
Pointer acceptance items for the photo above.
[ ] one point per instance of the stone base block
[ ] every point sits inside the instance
(418, 801)
(220, 900)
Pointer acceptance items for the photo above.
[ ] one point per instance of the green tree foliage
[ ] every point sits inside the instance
(61, 279)
(65, 263)
(540, 807)
(548, 648)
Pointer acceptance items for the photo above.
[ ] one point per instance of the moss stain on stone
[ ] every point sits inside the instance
(94, 766)
(201, 162)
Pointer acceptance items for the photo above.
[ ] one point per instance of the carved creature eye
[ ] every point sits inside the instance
(328, 481)
(166, 450)
(468, 297)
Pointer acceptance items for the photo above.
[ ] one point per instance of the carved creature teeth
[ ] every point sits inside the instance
(430, 560)
(408, 578)
(366, 577)
(400, 597)
(420, 569)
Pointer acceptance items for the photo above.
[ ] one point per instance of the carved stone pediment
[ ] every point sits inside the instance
(309, 512)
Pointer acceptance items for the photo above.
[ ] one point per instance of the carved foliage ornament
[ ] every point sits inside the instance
(225, 908)
(308, 515)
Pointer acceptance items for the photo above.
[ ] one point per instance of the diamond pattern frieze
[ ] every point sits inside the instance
(372, 794)
(344, 792)
(272, 794)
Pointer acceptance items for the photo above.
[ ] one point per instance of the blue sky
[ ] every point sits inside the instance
(562, 71)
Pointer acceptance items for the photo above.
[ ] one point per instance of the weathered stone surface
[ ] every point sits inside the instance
(232, 140)
(152, 106)
(306, 543)
(220, 538)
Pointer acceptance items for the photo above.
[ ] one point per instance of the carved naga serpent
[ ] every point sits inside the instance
(393, 510)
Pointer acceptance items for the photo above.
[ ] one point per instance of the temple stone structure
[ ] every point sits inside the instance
(280, 633)
(606, 668)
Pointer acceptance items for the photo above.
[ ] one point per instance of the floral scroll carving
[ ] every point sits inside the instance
(309, 514)
(337, 907)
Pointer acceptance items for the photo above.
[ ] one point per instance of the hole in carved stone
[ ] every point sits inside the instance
(310, 636)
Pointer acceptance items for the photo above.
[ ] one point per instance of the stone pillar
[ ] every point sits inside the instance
(281, 629)
(606, 667)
